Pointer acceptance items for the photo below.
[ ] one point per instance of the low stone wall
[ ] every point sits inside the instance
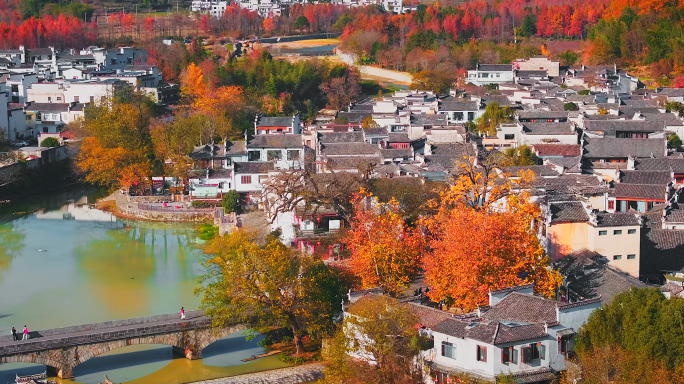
(300, 374)
(150, 199)
(172, 216)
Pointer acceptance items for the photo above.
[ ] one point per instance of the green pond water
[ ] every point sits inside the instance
(65, 263)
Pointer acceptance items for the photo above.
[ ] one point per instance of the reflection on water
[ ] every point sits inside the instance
(11, 244)
(95, 268)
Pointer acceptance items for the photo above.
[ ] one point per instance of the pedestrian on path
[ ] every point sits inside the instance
(25, 333)
(182, 313)
(14, 334)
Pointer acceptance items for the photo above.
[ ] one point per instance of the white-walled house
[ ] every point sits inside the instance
(485, 74)
(274, 125)
(518, 334)
(51, 117)
(459, 111)
(283, 151)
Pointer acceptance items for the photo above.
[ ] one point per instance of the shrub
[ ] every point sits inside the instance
(231, 201)
(49, 142)
(570, 107)
(203, 204)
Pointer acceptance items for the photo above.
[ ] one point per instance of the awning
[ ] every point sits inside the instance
(534, 376)
(565, 332)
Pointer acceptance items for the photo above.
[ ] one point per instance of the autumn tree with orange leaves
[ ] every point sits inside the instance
(117, 150)
(385, 252)
(484, 237)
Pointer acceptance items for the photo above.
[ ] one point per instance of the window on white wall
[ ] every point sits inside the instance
(448, 350)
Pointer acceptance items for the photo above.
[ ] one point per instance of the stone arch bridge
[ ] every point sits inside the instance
(63, 349)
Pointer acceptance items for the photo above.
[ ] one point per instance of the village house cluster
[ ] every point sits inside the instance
(605, 178)
(44, 90)
(271, 8)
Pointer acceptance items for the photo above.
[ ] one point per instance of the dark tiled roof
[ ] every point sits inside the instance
(641, 191)
(395, 153)
(538, 170)
(429, 317)
(204, 152)
(458, 106)
(624, 125)
(509, 334)
(398, 137)
(557, 150)
(235, 148)
(495, 67)
(512, 289)
(617, 219)
(501, 99)
(350, 149)
(675, 164)
(254, 167)
(354, 117)
(352, 162)
(565, 128)
(606, 147)
(536, 376)
(341, 137)
(541, 114)
(362, 107)
(425, 119)
(275, 141)
(266, 121)
(646, 177)
(38, 51)
(615, 282)
(51, 107)
(375, 131)
(526, 308)
(568, 212)
(78, 107)
(484, 331)
(675, 217)
(571, 164)
(661, 250)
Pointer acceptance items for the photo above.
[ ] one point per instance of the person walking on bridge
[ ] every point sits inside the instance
(182, 313)
(14, 334)
(25, 333)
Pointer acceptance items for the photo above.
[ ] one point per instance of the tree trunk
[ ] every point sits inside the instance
(296, 335)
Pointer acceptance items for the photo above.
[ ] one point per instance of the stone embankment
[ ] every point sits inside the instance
(300, 374)
(151, 208)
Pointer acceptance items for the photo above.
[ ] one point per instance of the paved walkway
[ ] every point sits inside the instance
(300, 374)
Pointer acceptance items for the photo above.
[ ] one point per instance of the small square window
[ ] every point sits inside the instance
(603, 233)
(448, 350)
(507, 355)
(617, 257)
(631, 257)
(617, 232)
(481, 353)
(631, 231)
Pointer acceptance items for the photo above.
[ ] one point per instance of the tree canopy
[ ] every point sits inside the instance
(385, 252)
(268, 286)
(637, 335)
(383, 331)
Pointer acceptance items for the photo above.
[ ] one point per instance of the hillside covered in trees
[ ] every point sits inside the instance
(442, 36)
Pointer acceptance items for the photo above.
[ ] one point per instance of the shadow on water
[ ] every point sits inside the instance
(8, 372)
(125, 358)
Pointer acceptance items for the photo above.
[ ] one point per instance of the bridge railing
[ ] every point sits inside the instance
(103, 326)
(121, 333)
